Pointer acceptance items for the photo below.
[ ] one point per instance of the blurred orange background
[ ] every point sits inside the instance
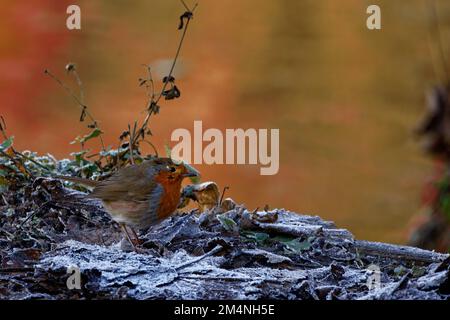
(345, 99)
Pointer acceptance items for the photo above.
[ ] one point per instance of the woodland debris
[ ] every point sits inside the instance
(217, 254)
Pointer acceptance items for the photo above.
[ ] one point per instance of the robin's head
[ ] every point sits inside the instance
(173, 170)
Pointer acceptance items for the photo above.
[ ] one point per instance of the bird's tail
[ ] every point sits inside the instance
(85, 182)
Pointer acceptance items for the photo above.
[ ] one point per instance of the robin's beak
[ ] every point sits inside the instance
(190, 171)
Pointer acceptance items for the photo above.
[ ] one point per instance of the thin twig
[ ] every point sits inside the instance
(130, 145)
(80, 84)
(70, 92)
(223, 193)
(154, 101)
(79, 101)
(150, 88)
(153, 146)
(4, 200)
(184, 4)
(34, 213)
(16, 269)
(3, 127)
(9, 235)
(174, 60)
(217, 249)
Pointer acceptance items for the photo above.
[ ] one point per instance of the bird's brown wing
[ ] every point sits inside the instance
(133, 183)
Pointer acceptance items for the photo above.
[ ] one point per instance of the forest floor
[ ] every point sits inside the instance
(47, 230)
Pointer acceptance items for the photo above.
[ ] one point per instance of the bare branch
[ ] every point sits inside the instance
(152, 106)
(79, 101)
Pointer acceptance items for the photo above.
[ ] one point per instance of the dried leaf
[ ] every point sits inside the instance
(187, 15)
(167, 79)
(171, 93)
(154, 108)
(183, 202)
(206, 194)
(265, 216)
(124, 135)
(228, 204)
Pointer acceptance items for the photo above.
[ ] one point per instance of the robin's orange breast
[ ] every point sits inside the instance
(170, 197)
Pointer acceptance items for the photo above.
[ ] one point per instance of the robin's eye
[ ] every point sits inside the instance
(172, 169)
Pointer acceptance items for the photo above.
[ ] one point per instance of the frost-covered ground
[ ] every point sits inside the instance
(230, 253)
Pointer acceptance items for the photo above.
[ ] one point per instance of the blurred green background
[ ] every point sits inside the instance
(345, 99)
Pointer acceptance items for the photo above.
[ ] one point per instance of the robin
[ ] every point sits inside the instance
(140, 195)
